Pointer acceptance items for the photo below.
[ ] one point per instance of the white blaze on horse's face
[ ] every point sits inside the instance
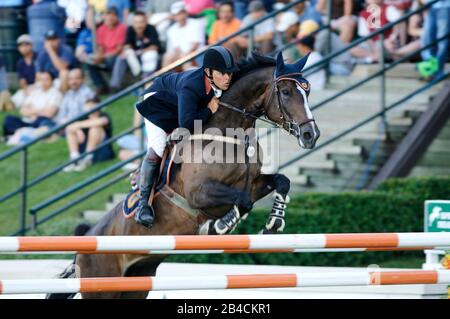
(308, 133)
(309, 114)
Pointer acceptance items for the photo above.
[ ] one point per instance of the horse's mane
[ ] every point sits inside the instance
(255, 62)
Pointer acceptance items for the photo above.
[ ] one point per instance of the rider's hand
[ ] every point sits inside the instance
(213, 105)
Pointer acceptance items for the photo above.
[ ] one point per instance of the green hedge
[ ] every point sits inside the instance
(396, 206)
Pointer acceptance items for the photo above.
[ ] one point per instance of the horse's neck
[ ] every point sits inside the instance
(242, 94)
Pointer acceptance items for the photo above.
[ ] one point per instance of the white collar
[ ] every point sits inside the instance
(217, 92)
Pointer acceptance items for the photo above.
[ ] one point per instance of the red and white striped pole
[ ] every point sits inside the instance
(146, 244)
(113, 284)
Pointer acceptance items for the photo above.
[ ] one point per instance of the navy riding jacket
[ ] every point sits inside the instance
(177, 99)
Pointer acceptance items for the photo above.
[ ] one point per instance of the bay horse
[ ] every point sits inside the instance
(225, 192)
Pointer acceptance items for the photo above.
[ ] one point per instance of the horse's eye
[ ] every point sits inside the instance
(285, 91)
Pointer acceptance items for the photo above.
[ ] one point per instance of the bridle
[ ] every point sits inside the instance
(292, 126)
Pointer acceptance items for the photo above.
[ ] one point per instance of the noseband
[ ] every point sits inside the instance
(291, 125)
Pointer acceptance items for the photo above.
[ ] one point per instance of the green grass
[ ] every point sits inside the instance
(42, 157)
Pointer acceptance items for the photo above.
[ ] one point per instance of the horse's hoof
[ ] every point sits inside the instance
(266, 231)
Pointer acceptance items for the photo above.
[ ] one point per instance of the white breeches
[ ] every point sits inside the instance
(156, 137)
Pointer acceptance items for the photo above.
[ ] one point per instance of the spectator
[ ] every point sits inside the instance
(39, 109)
(306, 11)
(195, 7)
(99, 6)
(75, 12)
(225, 25)
(288, 24)
(5, 96)
(241, 8)
(436, 25)
(209, 17)
(110, 40)
(86, 135)
(343, 18)
(42, 16)
(96, 10)
(305, 45)
(123, 9)
(343, 63)
(159, 16)
(204, 11)
(263, 32)
(369, 51)
(157, 6)
(286, 27)
(140, 51)
(415, 24)
(401, 29)
(56, 58)
(184, 37)
(73, 101)
(84, 50)
(26, 69)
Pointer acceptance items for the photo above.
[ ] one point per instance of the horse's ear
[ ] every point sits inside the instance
(280, 61)
(300, 64)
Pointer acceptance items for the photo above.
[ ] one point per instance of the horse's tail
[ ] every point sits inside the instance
(82, 229)
(70, 271)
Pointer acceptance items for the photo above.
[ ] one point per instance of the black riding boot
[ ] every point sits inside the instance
(149, 172)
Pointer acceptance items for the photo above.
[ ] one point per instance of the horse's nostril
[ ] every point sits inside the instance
(307, 136)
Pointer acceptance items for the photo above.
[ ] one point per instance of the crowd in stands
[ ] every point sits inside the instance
(78, 50)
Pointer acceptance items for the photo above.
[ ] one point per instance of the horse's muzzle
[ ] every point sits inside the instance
(308, 135)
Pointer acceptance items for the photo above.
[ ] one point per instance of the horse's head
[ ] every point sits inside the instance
(288, 102)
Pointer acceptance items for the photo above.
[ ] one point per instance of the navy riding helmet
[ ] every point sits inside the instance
(220, 59)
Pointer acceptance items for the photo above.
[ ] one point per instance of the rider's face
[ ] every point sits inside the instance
(221, 80)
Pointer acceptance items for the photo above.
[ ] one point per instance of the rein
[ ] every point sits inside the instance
(290, 124)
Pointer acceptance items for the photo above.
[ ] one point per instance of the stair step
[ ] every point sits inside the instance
(354, 167)
(415, 112)
(433, 159)
(319, 172)
(364, 97)
(440, 145)
(445, 132)
(430, 171)
(313, 189)
(401, 70)
(300, 180)
(346, 153)
(384, 147)
(335, 184)
(325, 165)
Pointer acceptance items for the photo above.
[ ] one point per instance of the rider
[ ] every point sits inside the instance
(177, 100)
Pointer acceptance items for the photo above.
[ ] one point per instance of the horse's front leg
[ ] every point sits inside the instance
(213, 194)
(280, 184)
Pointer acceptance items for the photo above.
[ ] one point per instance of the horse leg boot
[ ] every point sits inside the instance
(145, 214)
(280, 184)
(276, 222)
